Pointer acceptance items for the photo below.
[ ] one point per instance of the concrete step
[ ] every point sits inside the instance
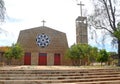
(56, 72)
(54, 77)
(61, 81)
(51, 75)
(86, 76)
(59, 74)
(39, 82)
(39, 76)
(99, 82)
(60, 71)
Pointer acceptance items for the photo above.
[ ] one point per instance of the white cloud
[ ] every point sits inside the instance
(6, 38)
(59, 14)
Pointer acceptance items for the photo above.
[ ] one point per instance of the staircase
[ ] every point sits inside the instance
(78, 76)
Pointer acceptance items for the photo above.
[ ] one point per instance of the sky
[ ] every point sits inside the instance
(26, 14)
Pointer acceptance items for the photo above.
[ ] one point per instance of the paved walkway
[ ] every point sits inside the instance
(53, 67)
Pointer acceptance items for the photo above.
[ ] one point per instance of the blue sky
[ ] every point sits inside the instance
(58, 14)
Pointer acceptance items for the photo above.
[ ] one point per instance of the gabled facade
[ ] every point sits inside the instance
(43, 46)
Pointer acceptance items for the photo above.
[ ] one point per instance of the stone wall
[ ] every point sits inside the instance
(81, 30)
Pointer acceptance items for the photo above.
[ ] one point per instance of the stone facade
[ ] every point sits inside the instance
(81, 30)
(57, 44)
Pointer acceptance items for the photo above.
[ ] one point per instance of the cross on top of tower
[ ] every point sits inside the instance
(80, 7)
(43, 22)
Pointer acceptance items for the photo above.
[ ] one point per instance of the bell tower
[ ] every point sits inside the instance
(81, 28)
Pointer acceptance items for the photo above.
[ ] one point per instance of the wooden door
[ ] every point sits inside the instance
(57, 59)
(27, 59)
(42, 59)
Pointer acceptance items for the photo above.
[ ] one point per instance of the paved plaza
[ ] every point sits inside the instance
(54, 67)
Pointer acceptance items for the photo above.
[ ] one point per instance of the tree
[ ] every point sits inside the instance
(111, 57)
(117, 32)
(2, 13)
(82, 52)
(93, 54)
(2, 10)
(106, 16)
(15, 52)
(8, 55)
(88, 53)
(85, 50)
(74, 54)
(2, 49)
(103, 56)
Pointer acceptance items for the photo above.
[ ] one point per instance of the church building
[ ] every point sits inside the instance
(46, 46)
(43, 46)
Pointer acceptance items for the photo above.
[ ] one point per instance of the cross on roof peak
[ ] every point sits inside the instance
(80, 7)
(43, 21)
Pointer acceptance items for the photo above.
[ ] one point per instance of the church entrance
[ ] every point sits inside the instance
(27, 59)
(42, 60)
(57, 60)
